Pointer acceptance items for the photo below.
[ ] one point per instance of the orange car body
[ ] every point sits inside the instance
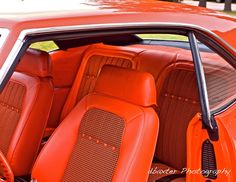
(217, 26)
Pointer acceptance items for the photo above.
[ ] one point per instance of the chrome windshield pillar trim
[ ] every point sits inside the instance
(207, 119)
(201, 80)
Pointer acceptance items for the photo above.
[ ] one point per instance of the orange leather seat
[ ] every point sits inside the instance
(94, 58)
(178, 102)
(24, 108)
(90, 60)
(65, 64)
(103, 137)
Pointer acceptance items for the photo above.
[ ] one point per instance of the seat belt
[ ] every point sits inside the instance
(171, 177)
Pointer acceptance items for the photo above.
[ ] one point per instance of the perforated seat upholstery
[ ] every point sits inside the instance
(103, 137)
(24, 108)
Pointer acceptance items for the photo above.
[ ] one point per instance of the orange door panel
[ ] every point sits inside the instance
(227, 129)
(224, 148)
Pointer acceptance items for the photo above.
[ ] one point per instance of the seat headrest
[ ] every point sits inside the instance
(126, 84)
(36, 63)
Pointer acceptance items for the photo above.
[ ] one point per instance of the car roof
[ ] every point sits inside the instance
(125, 11)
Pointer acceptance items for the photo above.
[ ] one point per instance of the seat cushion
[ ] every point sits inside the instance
(53, 159)
(103, 138)
(159, 170)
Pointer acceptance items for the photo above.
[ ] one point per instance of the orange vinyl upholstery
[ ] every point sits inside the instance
(127, 88)
(173, 71)
(65, 66)
(178, 102)
(24, 108)
(103, 137)
(155, 62)
(95, 57)
(36, 64)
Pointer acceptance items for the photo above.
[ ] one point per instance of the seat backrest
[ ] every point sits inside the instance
(24, 108)
(95, 57)
(65, 64)
(109, 135)
(155, 61)
(178, 102)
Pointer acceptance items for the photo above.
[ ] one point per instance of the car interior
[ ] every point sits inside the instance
(93, 105)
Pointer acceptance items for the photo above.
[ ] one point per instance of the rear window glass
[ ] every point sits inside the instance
(47, 46)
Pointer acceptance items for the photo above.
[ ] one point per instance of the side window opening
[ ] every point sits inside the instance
(170, 40)
(47, 46)
(167, 37)
(220, 79)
